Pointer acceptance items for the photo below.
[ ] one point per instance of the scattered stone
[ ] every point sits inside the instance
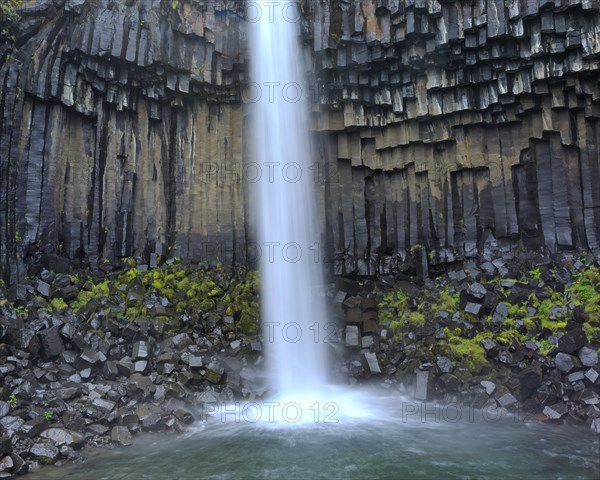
(588, 357)
(44, 453)
(43, 288)
(4, 409)
(572, 341)
(60, 436)
(352, 336)
(575, 376)
(195, 361)
(6, 464)
(423, 384)
(592, 375)
(473, 308)
(140, 350)
(490, 387)
(566, 363)
(121, 436)
(10, 422)
(556, 411)
(52, 344)
(104, 405)
(477, 292)
(214, 373)
(506, 400)
(444, 364)
(371, 363)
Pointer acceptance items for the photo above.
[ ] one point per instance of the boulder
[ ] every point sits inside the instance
(423, 383)
(52, 344)
(60, 437)
(572, 341)
(588, 357)
(121, 436)
(352, 336)
(371, 363)
(566, 363)
(44, 453)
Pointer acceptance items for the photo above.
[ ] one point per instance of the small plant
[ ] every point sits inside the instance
(12, 400)
(48, 416)
(21, 310)
(535, 273)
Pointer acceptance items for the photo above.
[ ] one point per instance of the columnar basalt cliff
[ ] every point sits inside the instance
(449, 125)
(458, 124)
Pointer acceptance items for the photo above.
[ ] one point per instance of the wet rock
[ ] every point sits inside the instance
(352, 336)
(473, 308)
(424, 379)
(572, 341)
(152, 422)
(104, 405)
(370, 363)
(140, 351)
(214, 373)
(97, 429)
(184, 416)
(489, 346)
(556, 411)
(449, 383)
(125, 367)
(4, 409)
(490, 387)
(140, 366)
(579, 314)
(10, 422)
(194, 361)
(20, 466)
(575, 376)
(60, 436)
(110, 370)
(52, 344)
(6, 464)
(5, 443)
(476, 292)
(444, 364)
(43, 288)
(588, 357)
(566, 363)
(592, 375)
(34, 427)
(121, 436)
(44, 453)
(530, 378)
(506, 400)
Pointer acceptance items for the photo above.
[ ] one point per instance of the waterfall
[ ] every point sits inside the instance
(294, 318)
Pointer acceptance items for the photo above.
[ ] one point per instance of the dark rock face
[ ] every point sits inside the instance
(459, 126)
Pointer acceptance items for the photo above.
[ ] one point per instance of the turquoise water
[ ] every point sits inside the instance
(407, 440)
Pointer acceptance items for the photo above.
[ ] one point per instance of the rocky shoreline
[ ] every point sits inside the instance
(92, 357)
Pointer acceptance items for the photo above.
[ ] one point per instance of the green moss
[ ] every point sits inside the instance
(416, 319)
(467, 351)
(448, 301)
(128, 276)
(58, 304)
(583, 291)
(518, 310)
(89, 292)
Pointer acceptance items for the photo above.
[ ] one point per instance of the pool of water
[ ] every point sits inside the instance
(404, 440)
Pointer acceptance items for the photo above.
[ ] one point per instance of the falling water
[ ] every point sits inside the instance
(294, 319)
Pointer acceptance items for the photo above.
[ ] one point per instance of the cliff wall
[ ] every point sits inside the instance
(451, 125)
